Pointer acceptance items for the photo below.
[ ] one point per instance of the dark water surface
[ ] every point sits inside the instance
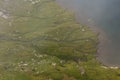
(106, 15)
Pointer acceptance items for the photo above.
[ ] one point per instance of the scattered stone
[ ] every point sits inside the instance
(82, 70)
(19, 37)
(114, 67)
(83, 30)
(37, 72)
(40, 56)
(1, 13)
(25, 64)
(104, 67)
(33, 2)
(53, 64)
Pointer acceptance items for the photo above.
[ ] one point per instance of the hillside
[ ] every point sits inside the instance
(41, 41)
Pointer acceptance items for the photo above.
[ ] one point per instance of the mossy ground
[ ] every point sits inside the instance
(41, 41)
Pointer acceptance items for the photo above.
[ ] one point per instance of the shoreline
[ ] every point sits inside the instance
(47, 42)
(102, 37)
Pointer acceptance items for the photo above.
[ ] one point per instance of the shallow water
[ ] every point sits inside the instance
(105, 15)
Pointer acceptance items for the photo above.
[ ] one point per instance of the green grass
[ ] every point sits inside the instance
(42, 41)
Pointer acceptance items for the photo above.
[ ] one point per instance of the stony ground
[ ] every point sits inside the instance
(41, 41)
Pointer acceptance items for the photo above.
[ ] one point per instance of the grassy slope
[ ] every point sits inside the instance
(42, 41)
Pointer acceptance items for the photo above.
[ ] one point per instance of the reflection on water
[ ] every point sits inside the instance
(105, 14)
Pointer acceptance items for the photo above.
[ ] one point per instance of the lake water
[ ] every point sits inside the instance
(105, 15)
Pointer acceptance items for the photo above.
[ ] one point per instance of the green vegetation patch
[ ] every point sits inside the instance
(41, 41)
